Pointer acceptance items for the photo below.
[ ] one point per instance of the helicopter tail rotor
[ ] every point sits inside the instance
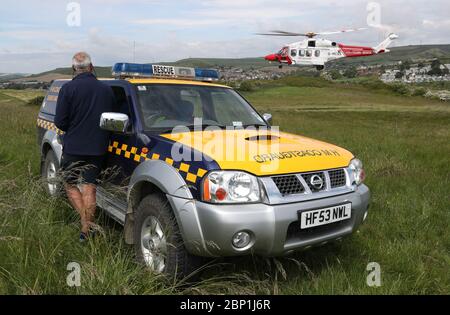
(382, 47)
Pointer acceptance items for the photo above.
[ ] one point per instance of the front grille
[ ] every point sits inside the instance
(296, 183)
(288, 185)
(307, 178)
(337, 178)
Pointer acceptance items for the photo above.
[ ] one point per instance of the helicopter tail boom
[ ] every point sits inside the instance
(382, 47)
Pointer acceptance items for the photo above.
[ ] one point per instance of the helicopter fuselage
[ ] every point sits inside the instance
(317, 51)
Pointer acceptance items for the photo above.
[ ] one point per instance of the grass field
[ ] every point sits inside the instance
(404, 142)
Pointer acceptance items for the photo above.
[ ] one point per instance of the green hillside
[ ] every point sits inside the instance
(101, 72)
(244, 63)
(416, 52)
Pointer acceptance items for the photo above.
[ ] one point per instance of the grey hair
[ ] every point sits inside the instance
(81, 62)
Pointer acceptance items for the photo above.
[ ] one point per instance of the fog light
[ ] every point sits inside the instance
(241, 239)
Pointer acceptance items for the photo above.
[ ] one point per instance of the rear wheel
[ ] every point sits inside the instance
(158, 242)
(50, 174)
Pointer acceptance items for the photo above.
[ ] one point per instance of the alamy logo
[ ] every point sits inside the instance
(74, 16)
(374, 277)
(74, 277)
(373, 14)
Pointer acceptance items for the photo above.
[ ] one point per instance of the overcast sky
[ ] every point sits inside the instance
(35, 35)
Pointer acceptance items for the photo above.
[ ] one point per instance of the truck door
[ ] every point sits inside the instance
(119, 164)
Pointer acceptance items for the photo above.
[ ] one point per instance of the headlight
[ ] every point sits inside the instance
(357, 173)
(231, 186)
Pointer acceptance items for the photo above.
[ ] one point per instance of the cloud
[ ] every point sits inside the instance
(443, 25)
(38, 38)
(179, 22)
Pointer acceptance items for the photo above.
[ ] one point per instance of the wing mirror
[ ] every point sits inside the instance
(268, 118)
(115, 122)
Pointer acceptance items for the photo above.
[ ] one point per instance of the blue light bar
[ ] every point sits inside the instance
(136, 70)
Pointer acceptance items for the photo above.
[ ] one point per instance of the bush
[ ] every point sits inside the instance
(400, 89)
(372, 83)
(399, 75)
(247, 86)
(335, 74)
(350, 72)
(36, 101)
(420, 91)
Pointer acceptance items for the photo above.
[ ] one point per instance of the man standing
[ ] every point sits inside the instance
(79, 107)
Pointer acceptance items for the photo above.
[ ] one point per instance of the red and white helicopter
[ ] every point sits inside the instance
(318, 51)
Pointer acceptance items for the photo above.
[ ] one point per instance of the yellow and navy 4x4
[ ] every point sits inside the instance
(193, 170)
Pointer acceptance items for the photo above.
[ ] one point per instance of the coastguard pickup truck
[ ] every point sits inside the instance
(193, 170)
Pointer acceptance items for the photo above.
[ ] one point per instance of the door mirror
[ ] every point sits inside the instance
(268, 118)
(116, 122)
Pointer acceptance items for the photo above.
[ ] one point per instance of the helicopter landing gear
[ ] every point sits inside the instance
(320, 67)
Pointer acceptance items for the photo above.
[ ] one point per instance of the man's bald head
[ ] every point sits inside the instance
(81, 62)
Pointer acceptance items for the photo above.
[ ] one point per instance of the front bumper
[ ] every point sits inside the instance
(207, 229)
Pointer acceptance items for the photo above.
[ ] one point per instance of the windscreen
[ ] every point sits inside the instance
(165, 106)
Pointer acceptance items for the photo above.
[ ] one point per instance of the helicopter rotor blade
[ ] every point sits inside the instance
(342, 31)
(309, 34)
(281, 33)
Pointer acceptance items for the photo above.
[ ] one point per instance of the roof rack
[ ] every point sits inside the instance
(124, 70)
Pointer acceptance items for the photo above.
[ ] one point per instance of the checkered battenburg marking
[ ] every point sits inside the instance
(49, 126)
(188, 172)
(130, 152)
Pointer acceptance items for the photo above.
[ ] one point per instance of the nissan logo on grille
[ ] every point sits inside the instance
(317, 182)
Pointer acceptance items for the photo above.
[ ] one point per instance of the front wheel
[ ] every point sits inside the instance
(157, 239)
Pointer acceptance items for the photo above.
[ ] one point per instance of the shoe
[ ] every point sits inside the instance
(86, 236)
(92, 233)
(83, 237)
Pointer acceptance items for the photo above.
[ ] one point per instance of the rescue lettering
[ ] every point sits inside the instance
(261, 158)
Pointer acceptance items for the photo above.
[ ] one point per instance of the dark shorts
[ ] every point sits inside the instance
(81, 169)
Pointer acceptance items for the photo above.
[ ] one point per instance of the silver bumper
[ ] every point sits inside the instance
(208, 229)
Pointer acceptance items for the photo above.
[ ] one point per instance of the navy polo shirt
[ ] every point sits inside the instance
(79, 107)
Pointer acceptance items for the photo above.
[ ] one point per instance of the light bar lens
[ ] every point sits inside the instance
(124, 69)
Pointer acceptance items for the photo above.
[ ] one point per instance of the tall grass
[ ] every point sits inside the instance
(406, 155)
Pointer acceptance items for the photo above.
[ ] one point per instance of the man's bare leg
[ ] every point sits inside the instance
(88, 192)
(76, 200)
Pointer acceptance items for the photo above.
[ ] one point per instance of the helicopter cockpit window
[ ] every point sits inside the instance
(308, 53)
(293, 52)
(311, 43)
(301, 52)
(283, 52)
(317, 53)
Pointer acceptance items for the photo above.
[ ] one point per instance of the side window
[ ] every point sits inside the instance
(301, 53)
(122, 105)
(312, 43)
(49, 103)
(317, 53)
(293, 52)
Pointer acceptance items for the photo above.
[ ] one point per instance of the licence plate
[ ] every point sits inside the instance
(324, 216)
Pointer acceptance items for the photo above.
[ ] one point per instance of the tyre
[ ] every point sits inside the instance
(52, 184)
(158, 242)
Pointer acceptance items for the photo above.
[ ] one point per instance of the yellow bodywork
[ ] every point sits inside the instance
(254, 152)
(282, 153)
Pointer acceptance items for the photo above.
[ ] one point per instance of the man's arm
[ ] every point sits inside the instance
(62, 117)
